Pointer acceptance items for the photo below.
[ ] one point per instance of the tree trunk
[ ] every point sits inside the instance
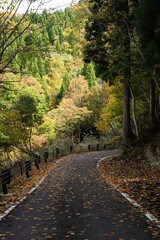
(127, 131)
(133, 113)
(152, 103)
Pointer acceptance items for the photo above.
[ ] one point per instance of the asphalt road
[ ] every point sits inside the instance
(74, 202)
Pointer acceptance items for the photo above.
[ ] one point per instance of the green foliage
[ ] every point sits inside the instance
(95, 101)
(112, 30)
(41, 67)
(58, 47)
(16, 65)
(45, 88)
(31, 106)
(111, 115)
(43, 74)
(11, 129)
(63, 89)
(68, 118)
(47, 128)
(8, 93)
(52, 35)
(89, 73)
(45, 37)
(19, 34)
(149, 30)
(123, 43)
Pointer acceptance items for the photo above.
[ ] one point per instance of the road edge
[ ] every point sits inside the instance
(148, 215)
(29, 193)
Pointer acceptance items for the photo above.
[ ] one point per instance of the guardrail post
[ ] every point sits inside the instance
(27, 167)
(57, 152)
(89, 147)
(21, 169)
(97, 146)
(6, 176)
(46, 155)
(37, 160)
(71, 148)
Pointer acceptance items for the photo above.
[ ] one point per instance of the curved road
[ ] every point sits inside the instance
(74, 202)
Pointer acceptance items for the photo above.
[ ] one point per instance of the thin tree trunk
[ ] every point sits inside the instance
(127, 131)
(152, 104)
(133, 113)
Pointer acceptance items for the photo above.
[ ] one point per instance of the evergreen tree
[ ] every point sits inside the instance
(45, 88)
(15, 65)
(45, 37)
(13, 27)
(61, 36)
(28, 39)
(39, 39)
(64, 87)
(89, 73)
(41, 67)
(72, 39)
(114, 48)
(8, 93)
(149, 34)
(52, 35)
(56, 29)
(58, 47)
(34, 69)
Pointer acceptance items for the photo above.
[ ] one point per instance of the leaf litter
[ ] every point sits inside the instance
(20, 187)
(135, 176)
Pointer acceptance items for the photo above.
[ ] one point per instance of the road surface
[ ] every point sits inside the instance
(74, 202)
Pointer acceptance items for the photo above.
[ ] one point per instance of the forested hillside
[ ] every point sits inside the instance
(88, 72)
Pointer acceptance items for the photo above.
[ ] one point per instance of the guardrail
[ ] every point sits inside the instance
(24, 167)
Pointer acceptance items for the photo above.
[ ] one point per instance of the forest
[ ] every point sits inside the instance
(88, 73)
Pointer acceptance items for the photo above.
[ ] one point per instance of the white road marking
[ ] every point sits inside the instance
(31, 191)
(149, 215)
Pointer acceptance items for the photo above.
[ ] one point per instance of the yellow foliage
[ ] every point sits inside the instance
(11, 127)
(113, 110)
(78, 89)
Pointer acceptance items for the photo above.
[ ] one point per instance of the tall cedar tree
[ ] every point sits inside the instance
(106, 16)
(64, 87)
(148, 28)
